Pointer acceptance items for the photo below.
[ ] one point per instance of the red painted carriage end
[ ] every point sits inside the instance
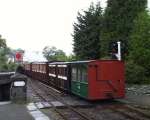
(106, 79)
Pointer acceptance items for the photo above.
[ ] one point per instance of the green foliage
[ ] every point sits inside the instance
(118, 21)
(4, 64)
(52, 54)
(2, 42)
(8, 67)
(4, 55)
(87, 33)
(3, 52)
(11, 66)
(71, 57)
(135, 74)
(140, 46)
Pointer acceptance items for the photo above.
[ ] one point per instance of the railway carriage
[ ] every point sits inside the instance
(59, 75)
(98, 79)
(27, 69)
(92, 80)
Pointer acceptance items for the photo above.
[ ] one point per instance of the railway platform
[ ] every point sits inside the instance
(10, 111)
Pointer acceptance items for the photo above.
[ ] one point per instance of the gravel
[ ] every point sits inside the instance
(139, 89)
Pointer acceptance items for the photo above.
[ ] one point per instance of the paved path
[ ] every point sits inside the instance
(14, 112)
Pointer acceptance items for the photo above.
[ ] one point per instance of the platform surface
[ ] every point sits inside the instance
(14, 112)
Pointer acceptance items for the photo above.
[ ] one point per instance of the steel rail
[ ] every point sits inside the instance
(126, 115)
(139, 112)
(57, 97)
(45, 100)
(130, 109)
(60, 113)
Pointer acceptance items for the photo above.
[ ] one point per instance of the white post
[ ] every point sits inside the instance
(119, 51)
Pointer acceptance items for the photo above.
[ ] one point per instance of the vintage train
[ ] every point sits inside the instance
(92, 79)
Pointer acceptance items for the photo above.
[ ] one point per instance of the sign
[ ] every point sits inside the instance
(18, 57)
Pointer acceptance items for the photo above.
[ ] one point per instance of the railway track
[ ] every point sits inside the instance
(127, 111)
(68, 113)
(130, 112)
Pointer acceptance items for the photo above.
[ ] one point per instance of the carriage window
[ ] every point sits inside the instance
(74, 74)
(65, 72)
(79, 74)
(84, 73)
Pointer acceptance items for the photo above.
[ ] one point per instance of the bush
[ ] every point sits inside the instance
(8, 67)
(135, 74)
(12, 66)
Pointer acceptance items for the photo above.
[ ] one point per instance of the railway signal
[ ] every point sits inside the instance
(116, 50)
(118, 55)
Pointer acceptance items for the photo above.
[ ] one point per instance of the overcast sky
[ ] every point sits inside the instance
(34, 24)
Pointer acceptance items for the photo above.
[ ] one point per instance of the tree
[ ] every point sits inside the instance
(5, 64)
(2, 42)
(52, 53)
(118, 21)
(60, 55)
(5, 52)
(71, 57)
(140, 48)
(86, 34)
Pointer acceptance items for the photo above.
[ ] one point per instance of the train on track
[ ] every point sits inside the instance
(92, 79)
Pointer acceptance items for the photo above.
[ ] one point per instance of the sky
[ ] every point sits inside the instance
(33, 24)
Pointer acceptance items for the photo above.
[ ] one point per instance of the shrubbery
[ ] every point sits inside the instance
(135, 74)
(7, 67)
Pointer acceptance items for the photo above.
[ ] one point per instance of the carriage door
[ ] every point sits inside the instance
(79, 80)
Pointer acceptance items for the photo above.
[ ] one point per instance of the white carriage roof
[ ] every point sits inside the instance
(73, 62)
